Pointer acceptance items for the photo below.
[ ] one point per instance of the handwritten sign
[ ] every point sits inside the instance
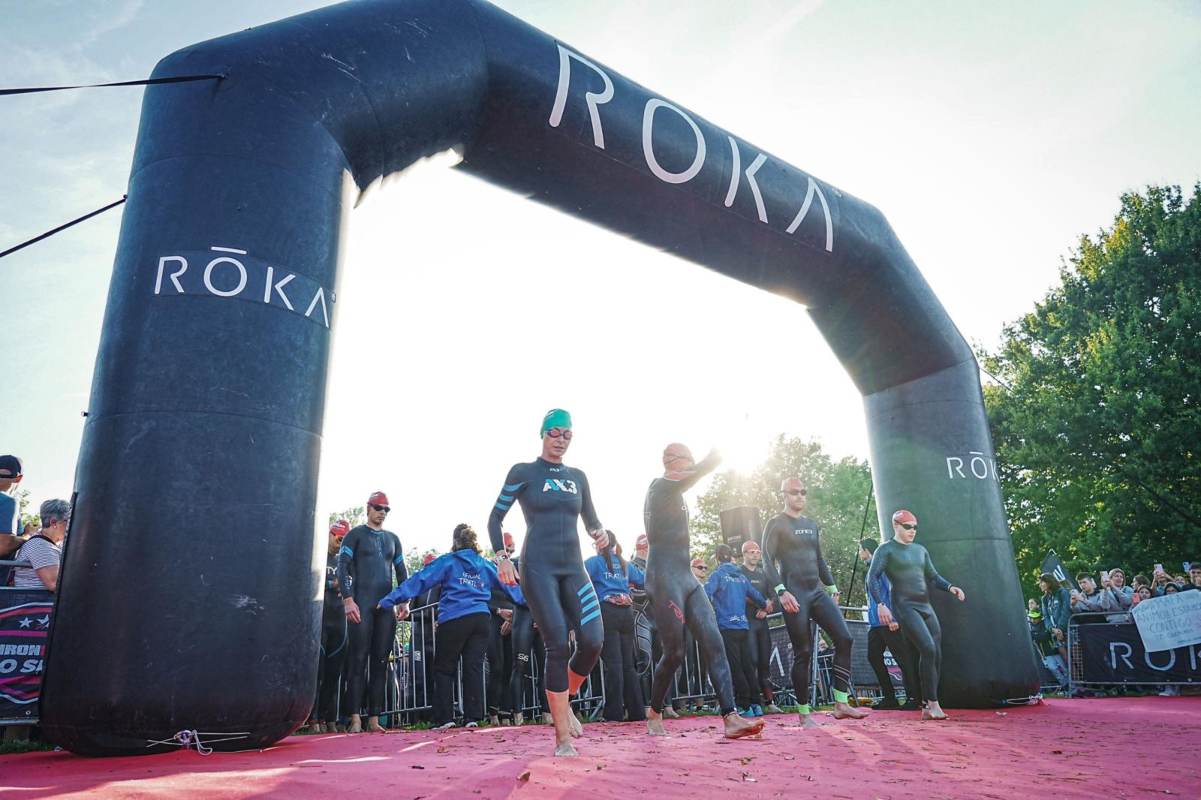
(1168, 622)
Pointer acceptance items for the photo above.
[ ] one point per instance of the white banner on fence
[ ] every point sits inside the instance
(1168, 622)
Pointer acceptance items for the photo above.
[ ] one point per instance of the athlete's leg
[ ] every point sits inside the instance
(801, 636)
(498, 675)
(825, 613)
(876, 643)
(475, 650)
(698, 614)
(906, 658)
(914, 626)
(359, 644)
(522, 635)
(333, 648)
(761, 657)
(750, 676)
(581, 607)
(383, 638)
(541, 588)
(668, 613)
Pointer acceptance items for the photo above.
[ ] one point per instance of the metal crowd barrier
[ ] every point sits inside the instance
(1117, 656)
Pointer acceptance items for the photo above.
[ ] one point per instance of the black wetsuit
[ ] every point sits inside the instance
(553, 497)
(760, 635)
(334, 640)
(367, 563)
(911, 572)
(678, 601)
(795, 542)
(500, 653)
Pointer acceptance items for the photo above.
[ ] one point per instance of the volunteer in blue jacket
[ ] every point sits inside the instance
(612, 576)
(466, 580)
(728, 591)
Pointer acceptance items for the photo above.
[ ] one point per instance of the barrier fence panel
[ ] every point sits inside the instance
(25, 616)
(1104, 649)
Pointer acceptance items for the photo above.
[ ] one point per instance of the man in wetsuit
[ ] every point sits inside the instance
(760, 635)
(553, 498)
(367, 561)
(730, 593)
(678, 601)
(333, 639)
(800, 576)
(881, 637)
(910, 572)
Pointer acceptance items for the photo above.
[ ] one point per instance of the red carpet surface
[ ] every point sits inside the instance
(1114, 748)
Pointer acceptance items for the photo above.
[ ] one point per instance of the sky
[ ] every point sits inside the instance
(991, 136)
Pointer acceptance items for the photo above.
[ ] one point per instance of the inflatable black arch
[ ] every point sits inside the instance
(191, 586)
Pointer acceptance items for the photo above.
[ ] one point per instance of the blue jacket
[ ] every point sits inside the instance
(609, 583)
(466, 579)
(884, 592)
(728, 590)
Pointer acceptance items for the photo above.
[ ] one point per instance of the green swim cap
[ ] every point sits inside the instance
(555, 418)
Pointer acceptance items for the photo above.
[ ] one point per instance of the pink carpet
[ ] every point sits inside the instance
(1063, 749)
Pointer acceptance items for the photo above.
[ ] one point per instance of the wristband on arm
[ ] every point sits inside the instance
(780, 589)
(832, 589)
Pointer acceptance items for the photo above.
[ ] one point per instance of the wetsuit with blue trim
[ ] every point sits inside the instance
(792, 559)
(911, 572)
(367, 562)
(334, 642)
(623, 691)
(553, 497)
(678, 601)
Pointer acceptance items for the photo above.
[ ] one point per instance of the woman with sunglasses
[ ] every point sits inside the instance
(553, 497)
(800, 576)
(678, 600)
(910, 572)
(367, 561)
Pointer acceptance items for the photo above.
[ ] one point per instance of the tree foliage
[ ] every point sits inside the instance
(838, 492)
(1098, 424)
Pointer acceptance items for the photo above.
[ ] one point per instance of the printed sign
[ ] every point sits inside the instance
(24, 620)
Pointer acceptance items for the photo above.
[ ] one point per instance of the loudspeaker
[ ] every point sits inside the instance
(739, 524)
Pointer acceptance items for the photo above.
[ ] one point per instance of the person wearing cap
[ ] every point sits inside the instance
(368, 560)
(613, 578)
(760, 635)
(678, 601)
(553, 498)
(801, 578)
(910, 574)
(881, 637)
(10, 517)
(730, 593)
(324, 718)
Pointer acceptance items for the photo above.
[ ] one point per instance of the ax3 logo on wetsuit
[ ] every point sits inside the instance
(556, 485)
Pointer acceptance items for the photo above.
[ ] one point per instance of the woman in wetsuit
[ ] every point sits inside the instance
(553, 496)
(910, 572)
(678, 600)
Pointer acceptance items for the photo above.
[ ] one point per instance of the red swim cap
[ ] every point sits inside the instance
(698, 562)
(903, 516)
(378, 499)
(428, 558)
(340, 528)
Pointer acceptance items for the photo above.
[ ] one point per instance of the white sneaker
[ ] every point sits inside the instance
(472, 725)
(445, 725)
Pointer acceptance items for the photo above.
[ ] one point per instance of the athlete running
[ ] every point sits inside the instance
(678, 601)
(792, 558)
(760, 635)
(367, 561)
(910, 571)
(553, 497)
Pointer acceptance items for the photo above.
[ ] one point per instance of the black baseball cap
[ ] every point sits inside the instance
(10, 467)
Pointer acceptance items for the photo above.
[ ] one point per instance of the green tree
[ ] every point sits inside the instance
(1096, 417)
(23, 502)
(355, 516)
(838, 492)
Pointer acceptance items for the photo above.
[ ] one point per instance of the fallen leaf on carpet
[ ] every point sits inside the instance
(525, 776)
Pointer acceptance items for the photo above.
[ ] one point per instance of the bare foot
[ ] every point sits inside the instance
(844, 711)
(670, 713)
(738, 727)
(934, 711)
(356, 724)
(807, 721)
(577, 730)
(654, 724)
(373, 725)
(565, 749)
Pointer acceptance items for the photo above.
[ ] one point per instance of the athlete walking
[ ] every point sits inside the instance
(800, 576)
(553, 497)
(910, 572)
(678, 601)
(367, 561)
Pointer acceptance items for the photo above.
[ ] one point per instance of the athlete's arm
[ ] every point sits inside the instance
(770, 536)
(875, 573)
(513, 592)
(588, 511)
(345, 560)
(932, 576)
(698, 471)
(398, 562)
(823, 569)
(504, 501)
